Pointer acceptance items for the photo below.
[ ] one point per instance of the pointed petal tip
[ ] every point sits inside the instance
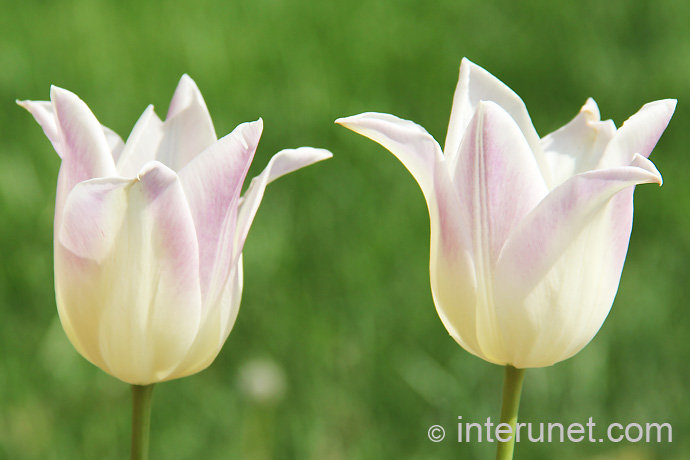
(156, 170)
(591, 110)
(668, 104)
(60, 96)
(346, 121)
(466, 62)
(671, 104)
(305, 155)
(56, 92)
(186, 81)
(30, 106)
(314, 153)
(653, 175)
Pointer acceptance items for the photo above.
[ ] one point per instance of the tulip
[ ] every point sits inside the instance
(528, 235)
(149, 233)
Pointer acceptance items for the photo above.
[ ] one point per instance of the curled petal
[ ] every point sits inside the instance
(44, 114)
(408, 141)
(133, 309)
(93, 216)
(559, 271)
(283, 162)
(452, 274)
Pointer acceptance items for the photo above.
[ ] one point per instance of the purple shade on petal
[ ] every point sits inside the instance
(85, 150)
(495, 166)
(528, 236)
(213, 182)
(148, 269)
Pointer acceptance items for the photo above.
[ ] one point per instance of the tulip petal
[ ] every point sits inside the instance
(559, 271)
(212, 183)
(84, 147)
(474, 85)
(495, 165)
(188, 129)
(578, 146)
(93, 215)
(142, 144)
(114, 143)
(452, 273)
(44, 114)
(214, 329)
(408, 141)
(639, 134)
(282, 163)
(154, 243)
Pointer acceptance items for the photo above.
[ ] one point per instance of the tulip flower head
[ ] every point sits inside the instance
(149, 233)
(528, 235)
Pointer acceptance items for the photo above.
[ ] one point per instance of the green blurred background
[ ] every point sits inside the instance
(337, 315)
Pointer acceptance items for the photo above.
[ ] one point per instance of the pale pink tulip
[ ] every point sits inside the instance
(149, 233)
(528, 235)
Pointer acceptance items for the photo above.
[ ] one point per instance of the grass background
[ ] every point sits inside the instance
(337, 296)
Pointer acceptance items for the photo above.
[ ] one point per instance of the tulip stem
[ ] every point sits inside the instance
(141, 420)
(512, 388)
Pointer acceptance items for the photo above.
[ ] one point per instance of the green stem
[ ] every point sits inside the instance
(512, 387)
(141, 420)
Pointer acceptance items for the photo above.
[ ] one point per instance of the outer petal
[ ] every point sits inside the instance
(212, 183)
(282, 163)
(408, 141)
(45, 116)
(214, 329)
(474, 85)
(639, 134)
(142, 144)
(84, 147)
(578, 146)
(452, 274)
(219, 317)
(498, 183)
(188, 127)
(137, 331)
(559, 271)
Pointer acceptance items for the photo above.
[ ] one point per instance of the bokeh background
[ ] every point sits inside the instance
(338, 352)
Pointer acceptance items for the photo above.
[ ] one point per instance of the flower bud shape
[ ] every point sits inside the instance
(149, 233)
(528, 235)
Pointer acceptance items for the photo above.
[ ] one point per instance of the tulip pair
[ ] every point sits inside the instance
(528, 235)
